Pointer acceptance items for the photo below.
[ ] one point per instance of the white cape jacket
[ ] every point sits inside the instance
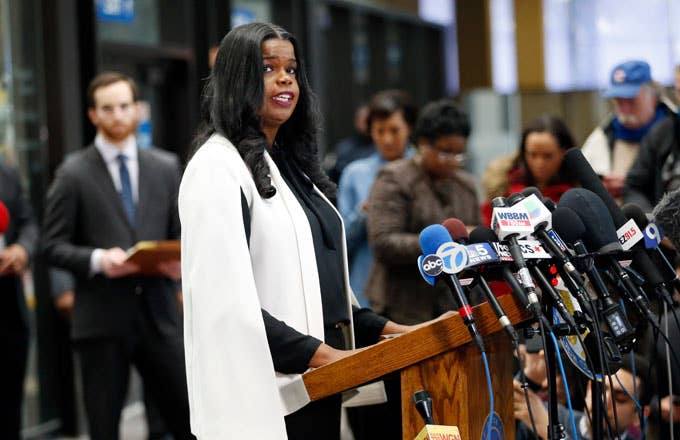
(234, 391)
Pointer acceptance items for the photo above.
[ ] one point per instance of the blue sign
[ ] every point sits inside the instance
(240, 16)
(556, 238)
(119, 11)
(481, 253)
(653, 235)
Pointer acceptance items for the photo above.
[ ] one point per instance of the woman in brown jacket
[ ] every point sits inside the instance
(408, 195)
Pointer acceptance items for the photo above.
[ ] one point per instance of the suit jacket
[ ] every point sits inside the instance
(84, 212)
(24, 231)
(403, 201)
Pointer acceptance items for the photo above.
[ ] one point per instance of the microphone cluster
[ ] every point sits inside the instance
(579, 257)
(580, 266)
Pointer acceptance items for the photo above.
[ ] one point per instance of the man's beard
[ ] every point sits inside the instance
(117, 135)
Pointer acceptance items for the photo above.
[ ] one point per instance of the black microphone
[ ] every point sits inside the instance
(570, 226)
(459, 234)
(578, 165)
(482, 234)
(667, 215)
(518, 258)
(522, 270)
(600, 236)
(548, 238)
(423, 404)
(636, 213)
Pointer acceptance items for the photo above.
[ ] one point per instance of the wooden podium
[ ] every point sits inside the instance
(440, 359)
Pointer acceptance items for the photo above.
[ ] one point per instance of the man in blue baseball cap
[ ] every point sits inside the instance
(638, 105)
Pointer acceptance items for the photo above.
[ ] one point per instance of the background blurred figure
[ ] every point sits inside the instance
(17, 245)
(537, 163)
(408, 195)
(622, 386)
(354, 147)
(390, 119)
(661, 408)
(613, 147)
(657, 168)
(104, 199)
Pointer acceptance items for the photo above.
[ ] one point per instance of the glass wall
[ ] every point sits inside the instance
(584, 39)
(22, 144)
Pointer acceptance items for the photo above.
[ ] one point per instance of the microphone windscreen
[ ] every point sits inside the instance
(633, 211)
(577, 165)
(548, 202)
(529, 190)
(4, 218)
(600, 234)
(457, 229)
(432, 237)
(642, 263)
(483, 234)
(667, 216)
(567, 224)
(512, 199)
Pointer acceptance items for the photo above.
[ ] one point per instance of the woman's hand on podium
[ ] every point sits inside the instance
(326, 354)
(392, 328)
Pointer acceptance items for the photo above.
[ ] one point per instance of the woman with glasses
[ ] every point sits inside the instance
(408, 195)
(537, 163)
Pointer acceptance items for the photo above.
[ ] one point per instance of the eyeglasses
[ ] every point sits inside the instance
(459, 158)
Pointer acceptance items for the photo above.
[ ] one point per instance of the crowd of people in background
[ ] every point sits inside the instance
(402, 170)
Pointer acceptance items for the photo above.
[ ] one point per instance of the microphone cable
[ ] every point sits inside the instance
(549, 373)
(558, 356)
(525, 387)
(636, 402)
(668, 369)
(657, 328)
(633, 370)
(490, 388)
(638, 407)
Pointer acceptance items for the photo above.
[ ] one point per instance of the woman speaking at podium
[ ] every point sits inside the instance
(264, 269)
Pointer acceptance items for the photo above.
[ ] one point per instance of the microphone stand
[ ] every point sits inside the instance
(555, 429)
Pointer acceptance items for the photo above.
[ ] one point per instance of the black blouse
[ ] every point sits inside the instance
(292, 350)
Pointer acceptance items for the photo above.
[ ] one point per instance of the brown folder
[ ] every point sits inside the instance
(147, 254)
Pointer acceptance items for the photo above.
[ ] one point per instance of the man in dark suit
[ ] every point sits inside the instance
(104, 199)
(16, 246)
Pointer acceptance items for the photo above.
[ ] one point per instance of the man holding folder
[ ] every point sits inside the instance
(105, 198)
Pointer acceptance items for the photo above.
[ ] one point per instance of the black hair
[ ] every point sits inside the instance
(556, 127)
(384, 104)
(441, 118)
(234, 95)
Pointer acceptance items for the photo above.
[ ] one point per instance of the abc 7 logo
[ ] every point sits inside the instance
(454, 256)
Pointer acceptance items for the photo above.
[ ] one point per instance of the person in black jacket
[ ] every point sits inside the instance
(104, 199)
(16, 248)
(657, 169)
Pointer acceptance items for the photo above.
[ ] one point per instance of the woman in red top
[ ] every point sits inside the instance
(537, 163)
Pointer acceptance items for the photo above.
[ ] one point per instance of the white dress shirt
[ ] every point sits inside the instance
(110, 154)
